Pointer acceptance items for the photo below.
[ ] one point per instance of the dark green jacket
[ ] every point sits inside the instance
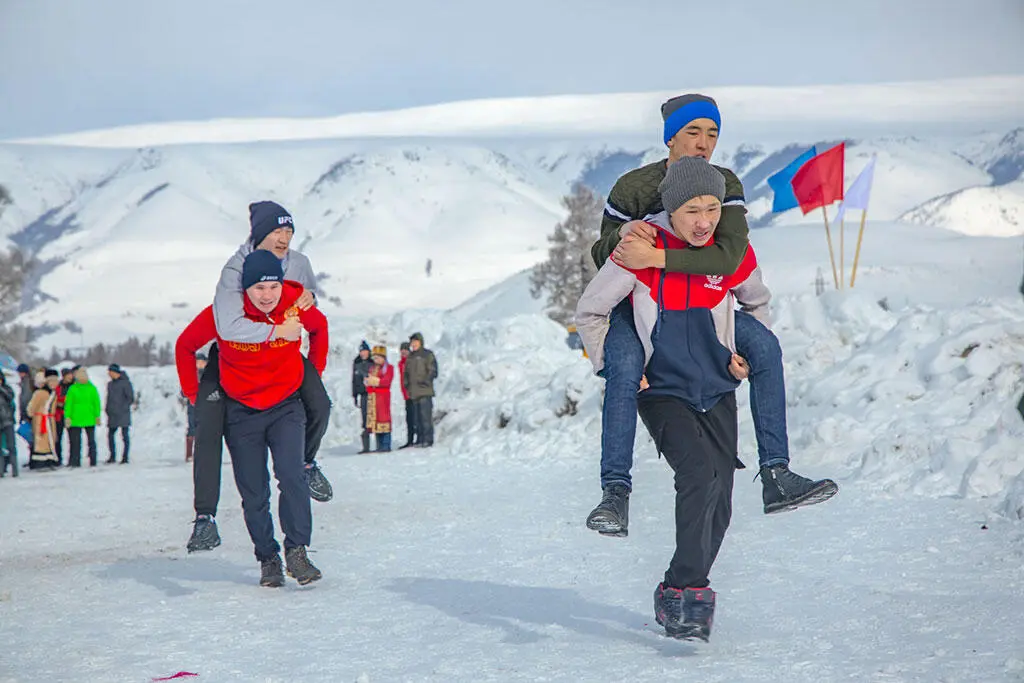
(635, 196)
(420, 373)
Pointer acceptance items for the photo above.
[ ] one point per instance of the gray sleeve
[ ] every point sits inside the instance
(301, 270)
(612, 284)
(754, 296)
(228, 313)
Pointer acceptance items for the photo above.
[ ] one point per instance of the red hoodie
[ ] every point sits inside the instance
(401, 378)
(257, 375)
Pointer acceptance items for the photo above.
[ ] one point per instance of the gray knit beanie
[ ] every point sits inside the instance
(688, 178)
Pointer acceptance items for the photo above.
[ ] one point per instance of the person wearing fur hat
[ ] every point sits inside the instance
(378, 403)
(82, 412)
(420, 373)
(40, 411)
(410, 413)
(263, 412)
(692, 123)
(360, 370)
(686, 326)
(271, 229)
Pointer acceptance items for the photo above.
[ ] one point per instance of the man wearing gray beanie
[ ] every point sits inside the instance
(685, 325)
(692, 123)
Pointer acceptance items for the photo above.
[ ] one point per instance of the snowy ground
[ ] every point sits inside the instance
(440, 568)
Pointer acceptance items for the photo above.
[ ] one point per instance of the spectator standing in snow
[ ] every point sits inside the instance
(263, 411)
(378, 404)
(360, 370)
(410, 413)
(26, 389)
(686, 326)
(82, 412)
(420, 373)
(120, 397)
(67, 378)
(8, 416)
(40, 411)
(271, 229)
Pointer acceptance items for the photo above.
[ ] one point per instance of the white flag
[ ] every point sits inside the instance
(859, 192)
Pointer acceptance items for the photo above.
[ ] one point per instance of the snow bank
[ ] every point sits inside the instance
(920, 401)
(997, 211)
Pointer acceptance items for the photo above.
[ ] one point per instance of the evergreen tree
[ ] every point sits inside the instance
(569, 267)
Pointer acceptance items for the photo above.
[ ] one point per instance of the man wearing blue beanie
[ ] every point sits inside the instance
(271, 228)
(692, 123)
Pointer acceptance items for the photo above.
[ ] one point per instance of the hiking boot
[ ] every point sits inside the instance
(784, 489)
(204, 534)
(319, 488)
(299, 566)
(611, 516)
(686, 613)
(271, 573)
(112, 460)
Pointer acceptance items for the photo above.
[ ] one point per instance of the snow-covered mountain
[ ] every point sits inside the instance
(131, 241)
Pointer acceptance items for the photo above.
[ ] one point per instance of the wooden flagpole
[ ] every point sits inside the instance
(842, 253)
(831, 253)
(860, 236)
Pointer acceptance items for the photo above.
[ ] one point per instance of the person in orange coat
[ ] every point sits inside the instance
(378, 389)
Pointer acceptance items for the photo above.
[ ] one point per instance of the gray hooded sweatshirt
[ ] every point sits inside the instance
(228, 313)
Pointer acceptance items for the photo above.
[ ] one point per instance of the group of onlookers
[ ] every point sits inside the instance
(50, 403)
(372, 376)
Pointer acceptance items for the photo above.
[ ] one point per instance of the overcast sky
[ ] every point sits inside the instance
(79, 64)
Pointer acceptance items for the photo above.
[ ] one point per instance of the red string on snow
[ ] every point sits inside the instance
(180, 674)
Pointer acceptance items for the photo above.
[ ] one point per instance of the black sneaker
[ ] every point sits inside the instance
(784, 490)
(299, 566)
(271, 573)
(319, 488)
(611, 516)
(204, 534)
(686, 613)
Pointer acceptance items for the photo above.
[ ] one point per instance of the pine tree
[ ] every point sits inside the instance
(569, 268)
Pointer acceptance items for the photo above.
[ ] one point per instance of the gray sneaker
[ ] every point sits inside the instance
(319, 488)
(204, 534)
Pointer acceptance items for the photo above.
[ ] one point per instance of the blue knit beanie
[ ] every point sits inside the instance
(265, 218)
(261, 266)
(680, 111)
(364, 346)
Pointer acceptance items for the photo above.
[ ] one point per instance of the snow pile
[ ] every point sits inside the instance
(920, 402)
(997, 211)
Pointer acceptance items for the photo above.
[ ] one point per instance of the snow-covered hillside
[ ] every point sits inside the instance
(130, 241)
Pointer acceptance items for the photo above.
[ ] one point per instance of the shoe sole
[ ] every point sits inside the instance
(812, 497)
(689, 632)
(199, 550)
(606, 528)
(275, 583)
(308, 580)
(320, 498)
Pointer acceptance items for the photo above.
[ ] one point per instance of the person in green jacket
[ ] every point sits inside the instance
(82, 411)
(691, 126)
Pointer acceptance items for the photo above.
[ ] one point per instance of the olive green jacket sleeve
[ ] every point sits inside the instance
(635, 196)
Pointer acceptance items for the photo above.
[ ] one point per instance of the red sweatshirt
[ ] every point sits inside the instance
(401, 378)
(257, 375)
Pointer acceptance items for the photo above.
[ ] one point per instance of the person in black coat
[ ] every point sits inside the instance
(120, 397)
(360, 370)
(8, 416)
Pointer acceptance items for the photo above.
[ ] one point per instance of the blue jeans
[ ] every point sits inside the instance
(624, 365)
